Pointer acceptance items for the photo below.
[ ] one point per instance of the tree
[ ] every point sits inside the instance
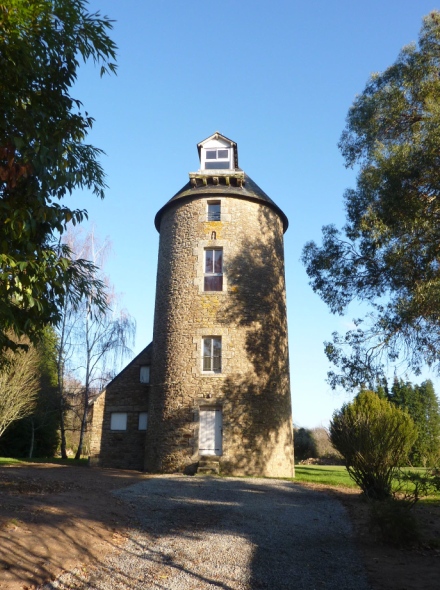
(19, 385)
(388, 252)
(374, 438)
(421, 403)
(90, 339)
(43, 158)
(37, 433)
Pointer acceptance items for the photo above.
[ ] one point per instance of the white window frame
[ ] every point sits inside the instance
(142, 370)
(118, 421)
(143, 421)
(217, 159)
(211, 370)
(219, 203)
(212, 274)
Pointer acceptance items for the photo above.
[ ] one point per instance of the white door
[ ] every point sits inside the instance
(210, 436)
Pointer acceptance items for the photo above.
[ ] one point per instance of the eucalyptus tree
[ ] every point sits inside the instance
(388, 253)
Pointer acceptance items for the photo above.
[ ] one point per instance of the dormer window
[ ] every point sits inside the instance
(217, 159)
(217, 152)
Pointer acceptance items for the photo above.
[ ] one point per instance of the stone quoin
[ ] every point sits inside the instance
(211, 392)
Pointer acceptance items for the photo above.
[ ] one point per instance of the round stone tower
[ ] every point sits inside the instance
(220, 393)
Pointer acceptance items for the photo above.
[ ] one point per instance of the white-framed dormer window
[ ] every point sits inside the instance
(212, 354)
(145, 374)
(217, 158)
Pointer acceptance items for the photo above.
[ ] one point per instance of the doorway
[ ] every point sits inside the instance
(211, 431)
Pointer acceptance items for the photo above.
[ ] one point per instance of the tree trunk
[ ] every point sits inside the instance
(31, 448)
(83, 426)
(63, 430)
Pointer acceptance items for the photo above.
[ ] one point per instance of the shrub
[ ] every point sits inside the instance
(374, 438)
(315, 444)
(305, 445)
(395, 522)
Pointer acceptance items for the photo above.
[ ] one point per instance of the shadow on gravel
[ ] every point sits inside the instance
(53, 516)
(293, 537)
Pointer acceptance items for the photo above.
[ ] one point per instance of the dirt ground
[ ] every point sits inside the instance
(54, 518)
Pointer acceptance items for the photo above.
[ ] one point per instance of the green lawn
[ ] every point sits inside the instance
(57, 460)
(8, 461)
(332, 475)
(336, 475)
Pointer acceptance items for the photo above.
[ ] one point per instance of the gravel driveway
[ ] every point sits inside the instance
(228, 533)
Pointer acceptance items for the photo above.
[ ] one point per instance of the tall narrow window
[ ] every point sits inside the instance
(212, 354)
(214, 211)
(145, 374)
(142, 421)
(213, 270)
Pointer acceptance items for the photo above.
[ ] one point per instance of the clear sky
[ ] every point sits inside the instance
(278, 78)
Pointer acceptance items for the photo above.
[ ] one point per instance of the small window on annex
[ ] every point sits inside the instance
(145, 374)
(118, 421)
(213, 270)
(214, 211)
(212, 354)
(143, 421)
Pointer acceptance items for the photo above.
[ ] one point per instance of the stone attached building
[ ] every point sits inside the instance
(212, 390)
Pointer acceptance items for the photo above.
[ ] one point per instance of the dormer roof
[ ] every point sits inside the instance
(224, 181)
(217, 141)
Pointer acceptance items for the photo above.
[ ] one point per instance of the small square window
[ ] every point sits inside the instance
(143, 420)
(212, 354)
(118, 421)
(145, 374)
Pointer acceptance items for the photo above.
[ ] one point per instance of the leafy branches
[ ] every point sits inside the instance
(388, 253)
(19, 386)
(43, 156)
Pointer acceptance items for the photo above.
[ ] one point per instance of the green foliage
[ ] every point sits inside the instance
(395, 523)
(43, 156)
(387, 253)
(37, 433)
(314, 444)
(305, 445)
(374, 437)
(421, 403)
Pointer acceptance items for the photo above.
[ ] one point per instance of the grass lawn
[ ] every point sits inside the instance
(57, 460)
(332, 475)
(8, 461)
(336, 475)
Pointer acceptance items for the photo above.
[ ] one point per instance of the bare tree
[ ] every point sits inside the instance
(93, 341)
(19, 384)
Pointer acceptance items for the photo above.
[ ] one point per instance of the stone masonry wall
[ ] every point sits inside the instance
(121, 449)
(250, 317)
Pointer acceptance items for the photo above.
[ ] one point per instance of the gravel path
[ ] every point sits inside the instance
(228, 534)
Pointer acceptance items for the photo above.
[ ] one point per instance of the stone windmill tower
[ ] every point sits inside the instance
(219, 386)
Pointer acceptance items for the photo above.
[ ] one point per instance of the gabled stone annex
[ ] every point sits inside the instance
(212, 389)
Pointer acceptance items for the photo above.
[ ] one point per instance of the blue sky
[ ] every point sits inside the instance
(276, 77)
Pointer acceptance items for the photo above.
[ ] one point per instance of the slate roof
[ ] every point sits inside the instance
(250, 192)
